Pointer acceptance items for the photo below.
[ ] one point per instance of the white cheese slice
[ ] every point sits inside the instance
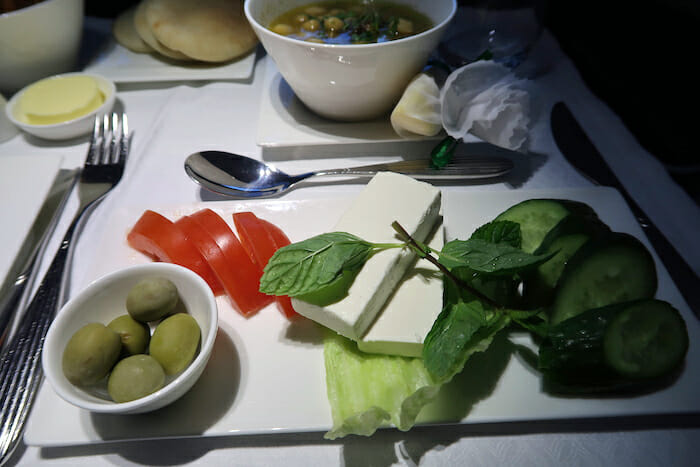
(387, 197)
(408, 315)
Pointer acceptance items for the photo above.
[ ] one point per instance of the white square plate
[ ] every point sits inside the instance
(284, 121)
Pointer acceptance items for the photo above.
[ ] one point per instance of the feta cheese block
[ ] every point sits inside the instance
(408, 315)
(387, 197)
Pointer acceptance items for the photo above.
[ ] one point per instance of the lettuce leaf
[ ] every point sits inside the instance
(366, 391)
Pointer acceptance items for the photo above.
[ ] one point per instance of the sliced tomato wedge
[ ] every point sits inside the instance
(261, 239)
(280, 239)
(159, 238)
(239, 275)
(254, 237)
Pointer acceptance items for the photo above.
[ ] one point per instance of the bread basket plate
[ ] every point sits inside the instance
(124, 66)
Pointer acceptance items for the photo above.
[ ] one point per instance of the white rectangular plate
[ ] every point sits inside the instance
(266, 374)
(124, 66)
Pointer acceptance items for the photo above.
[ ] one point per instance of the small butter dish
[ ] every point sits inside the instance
(73, 126)
(7, 129)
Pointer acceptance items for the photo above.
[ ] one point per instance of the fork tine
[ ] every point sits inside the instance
(124, 142)
(114, 140)
(109, 143)
(104, 144)
(93, 149)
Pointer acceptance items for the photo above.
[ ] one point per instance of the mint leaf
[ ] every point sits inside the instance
(500, 232)
(309, 265)
(460, 330)
(501, 289)
(534, 321)
(489, 258)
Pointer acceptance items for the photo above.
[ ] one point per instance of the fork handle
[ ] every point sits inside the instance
(20, 362)
(460, 168)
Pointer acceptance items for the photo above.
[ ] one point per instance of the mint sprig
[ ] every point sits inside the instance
(481, 272)
(307, 266)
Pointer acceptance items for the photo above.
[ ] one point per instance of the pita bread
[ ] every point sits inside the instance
(145, 33)
(207, 30)
(125, 32)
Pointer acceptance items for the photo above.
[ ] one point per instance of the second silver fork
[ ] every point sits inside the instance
(20, 362)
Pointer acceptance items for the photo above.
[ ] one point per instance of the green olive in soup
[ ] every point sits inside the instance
(348, 22)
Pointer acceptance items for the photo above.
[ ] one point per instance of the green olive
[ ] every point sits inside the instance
(134, 334)
(152, 299)
(90, 354)
(135, 377)
(174, 342)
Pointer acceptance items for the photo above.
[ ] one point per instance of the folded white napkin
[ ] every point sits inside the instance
(487, 100)
(483, 98)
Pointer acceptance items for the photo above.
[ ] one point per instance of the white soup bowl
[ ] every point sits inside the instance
(349, 82)
(39, 41)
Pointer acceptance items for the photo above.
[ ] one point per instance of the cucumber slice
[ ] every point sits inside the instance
(629, 346)
(616, 268)
(581, 219)
(538, 286)
(564, 241)
(544, 219)
(536, 218)
(645, 340)
(548, 226)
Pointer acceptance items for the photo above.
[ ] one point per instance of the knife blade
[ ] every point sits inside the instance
(22, 272)
(580, 151)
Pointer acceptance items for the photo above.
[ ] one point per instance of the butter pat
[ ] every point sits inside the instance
(387, 197)
(59, 99)
(409, 314)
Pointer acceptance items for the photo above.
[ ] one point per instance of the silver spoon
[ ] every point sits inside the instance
(243, 177)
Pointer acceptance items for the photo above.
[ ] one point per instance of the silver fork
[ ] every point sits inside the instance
(20, 362)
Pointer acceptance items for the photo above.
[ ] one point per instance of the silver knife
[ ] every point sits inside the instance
(22, 271)
(578, 149)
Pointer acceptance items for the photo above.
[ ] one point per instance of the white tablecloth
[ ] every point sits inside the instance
(172, 120)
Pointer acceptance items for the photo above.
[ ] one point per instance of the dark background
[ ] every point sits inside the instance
(638, 57)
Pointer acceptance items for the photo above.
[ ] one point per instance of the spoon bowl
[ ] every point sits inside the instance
(243, 177)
